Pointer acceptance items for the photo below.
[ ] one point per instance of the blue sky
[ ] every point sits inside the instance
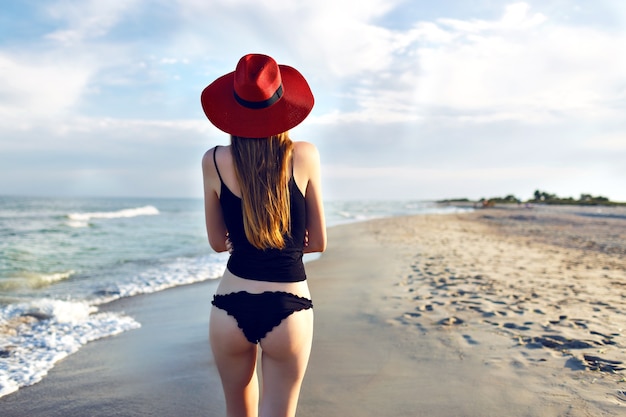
(415, 99)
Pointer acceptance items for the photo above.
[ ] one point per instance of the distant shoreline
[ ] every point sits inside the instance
(539, 197)
(499, 202)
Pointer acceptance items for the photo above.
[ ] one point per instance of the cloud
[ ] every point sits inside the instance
(329, 38)
(612, 141)
(520, 67)
(110, 90)
(106, 156)
(49, 76)
(86, 20)
(31, 89)
(516, 16)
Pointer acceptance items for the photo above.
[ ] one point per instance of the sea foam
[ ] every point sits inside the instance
(82, 219)
(180, 271)
(35, 335)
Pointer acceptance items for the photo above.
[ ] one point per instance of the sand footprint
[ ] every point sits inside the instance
(596, 363)
(450, 321)
(470, 340)
(620, 395)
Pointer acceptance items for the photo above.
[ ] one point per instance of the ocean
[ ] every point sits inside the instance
(62, 258)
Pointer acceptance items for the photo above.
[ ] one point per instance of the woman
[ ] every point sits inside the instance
(263, 204)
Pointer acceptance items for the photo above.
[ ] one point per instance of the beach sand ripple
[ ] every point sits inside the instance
(553, 284)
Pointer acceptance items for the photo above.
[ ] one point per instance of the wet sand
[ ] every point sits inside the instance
(516, 312)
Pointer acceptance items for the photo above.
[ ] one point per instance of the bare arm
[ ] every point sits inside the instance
(309, 161)
(215, 226)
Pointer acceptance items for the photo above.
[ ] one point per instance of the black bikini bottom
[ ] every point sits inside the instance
(258, 314)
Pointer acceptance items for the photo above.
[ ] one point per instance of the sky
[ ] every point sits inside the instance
(415, 99)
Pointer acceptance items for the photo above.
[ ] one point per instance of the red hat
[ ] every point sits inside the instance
(259, 99)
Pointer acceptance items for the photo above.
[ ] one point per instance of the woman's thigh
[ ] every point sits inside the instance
(234, 355)
(292, 338)
(286, 350)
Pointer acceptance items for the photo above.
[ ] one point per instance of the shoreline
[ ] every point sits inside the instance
(436, 315)
(159, 369)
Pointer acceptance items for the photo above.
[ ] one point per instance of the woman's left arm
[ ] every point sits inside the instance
(315, 222)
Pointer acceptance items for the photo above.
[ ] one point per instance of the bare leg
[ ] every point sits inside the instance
(236, 358)
(285, 355)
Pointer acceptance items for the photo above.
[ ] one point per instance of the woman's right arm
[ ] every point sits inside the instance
(215, 226)
(309, 158)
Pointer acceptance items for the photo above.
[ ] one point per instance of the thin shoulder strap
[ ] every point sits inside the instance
(215, 162)
(292, 180)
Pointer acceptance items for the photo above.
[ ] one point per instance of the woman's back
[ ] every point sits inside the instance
(269, 264)
(304, 181)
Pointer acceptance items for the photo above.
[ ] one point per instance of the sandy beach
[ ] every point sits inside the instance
(500, 312)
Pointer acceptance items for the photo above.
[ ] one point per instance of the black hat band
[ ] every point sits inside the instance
(256, 105)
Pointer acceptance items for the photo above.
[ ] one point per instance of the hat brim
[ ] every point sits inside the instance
(222, 109)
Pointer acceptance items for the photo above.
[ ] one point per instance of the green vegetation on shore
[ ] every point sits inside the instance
(540, 197)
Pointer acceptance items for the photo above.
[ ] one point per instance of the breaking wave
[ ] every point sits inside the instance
(83, 219)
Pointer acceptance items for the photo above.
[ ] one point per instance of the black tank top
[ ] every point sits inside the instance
(274, 265)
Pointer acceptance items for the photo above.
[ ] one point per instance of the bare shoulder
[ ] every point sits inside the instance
(218, 153)
(305, 152)
(302, 146)
(208, 167)
(208, 157)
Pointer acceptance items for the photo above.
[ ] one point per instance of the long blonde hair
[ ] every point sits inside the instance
(262, 169)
